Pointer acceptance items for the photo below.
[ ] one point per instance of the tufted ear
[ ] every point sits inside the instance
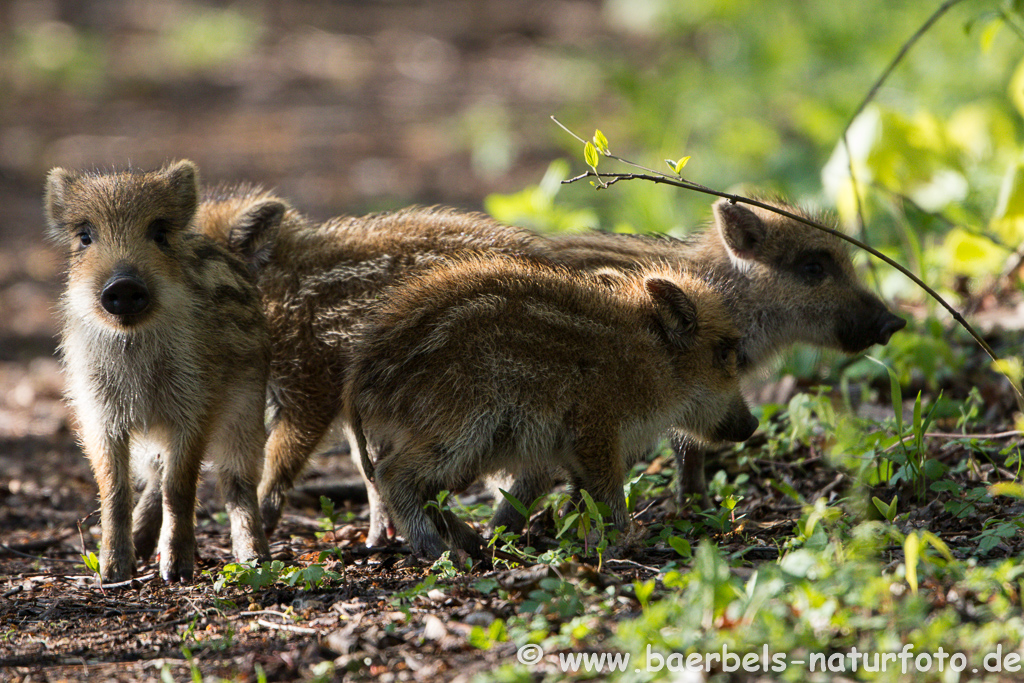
(676, 312)
(742, 232)
(58, 181)
(183, 179)
(55, 197)
(254, 231)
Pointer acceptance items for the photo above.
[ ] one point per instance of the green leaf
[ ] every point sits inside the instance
(601, 142)
(1007, 488)
(888, 510)
(92, 563)
(677, 166)
(788, 490)
(514, 502)
(590, 155)
(567, 523)
(937, 543)
(592, 510)
(988, 35)
(643, 592)
(918, 425)
(681, 546)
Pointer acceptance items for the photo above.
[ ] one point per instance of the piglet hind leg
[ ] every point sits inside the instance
(377, 534)
(380, 522)
(290, 444)
(238, 453)
(148, 515)
(405, 491)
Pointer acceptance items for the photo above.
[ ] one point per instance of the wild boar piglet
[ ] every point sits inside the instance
(507, 364)
(165, 351)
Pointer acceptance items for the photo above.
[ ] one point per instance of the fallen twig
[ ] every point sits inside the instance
(288, 627)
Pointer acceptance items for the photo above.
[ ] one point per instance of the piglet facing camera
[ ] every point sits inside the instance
(165, 351)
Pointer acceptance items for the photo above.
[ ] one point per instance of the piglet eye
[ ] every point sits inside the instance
(158, 230)
(84, 235)
(725, 355)
(813, 269)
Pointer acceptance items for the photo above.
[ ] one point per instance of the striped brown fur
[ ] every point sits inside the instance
(506, 364)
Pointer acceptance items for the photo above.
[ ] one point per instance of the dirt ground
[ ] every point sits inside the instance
(343, 107)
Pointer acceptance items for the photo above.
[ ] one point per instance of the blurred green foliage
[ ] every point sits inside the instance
(761, 101)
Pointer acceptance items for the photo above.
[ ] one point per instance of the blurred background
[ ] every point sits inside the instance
(347, 107)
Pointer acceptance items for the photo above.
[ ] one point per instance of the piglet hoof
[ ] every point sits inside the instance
(117, 572)
(251, 548)
(176, 567)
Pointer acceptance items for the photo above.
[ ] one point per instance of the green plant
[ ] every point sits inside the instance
(585, 520)
(525, 511)
(555, 598)
(485, 638)
(994, 532)
(910, 454)
(196, 673)
(91, 562)
(818, 523)
(260, 576)
(446, 569)
(912, 550)
(887, 510)
(403, 599)
(330, 518)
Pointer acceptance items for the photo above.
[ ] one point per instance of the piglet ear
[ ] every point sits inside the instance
(254, 231)
(675, 311)
(183, 178)
(742, 231)
(55, 199)
(58, 181)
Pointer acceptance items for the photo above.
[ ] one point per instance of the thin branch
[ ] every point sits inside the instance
(254, 613)
(287, 627)
(1010, 20)
(690, 183)
(631, 563)
(870, 96)
(129, 583)
(895, 62)
(611, 178)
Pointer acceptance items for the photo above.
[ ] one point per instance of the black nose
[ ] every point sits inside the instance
(738, 425)
(125, 295)
(891, 325)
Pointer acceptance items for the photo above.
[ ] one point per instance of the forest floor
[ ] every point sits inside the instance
(380, 614)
